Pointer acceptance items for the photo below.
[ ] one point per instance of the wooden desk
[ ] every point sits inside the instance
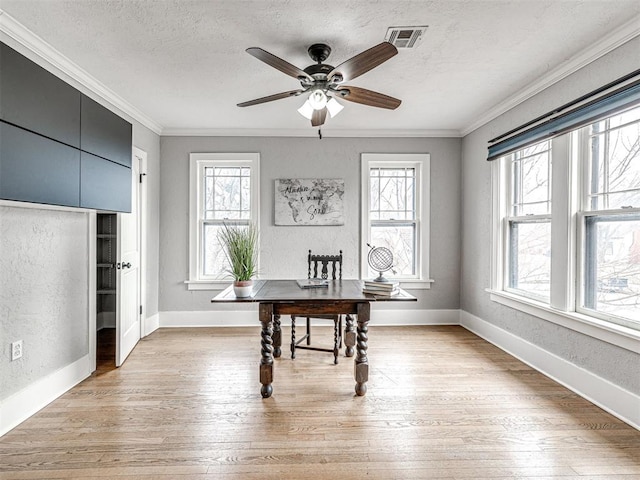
(285, 297)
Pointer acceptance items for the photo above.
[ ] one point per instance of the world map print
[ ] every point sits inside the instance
(309, 201)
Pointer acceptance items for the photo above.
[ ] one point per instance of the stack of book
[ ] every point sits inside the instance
(383, 289)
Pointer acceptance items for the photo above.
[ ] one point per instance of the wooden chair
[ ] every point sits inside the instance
(330, 267)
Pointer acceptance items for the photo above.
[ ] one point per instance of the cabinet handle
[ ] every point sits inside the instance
(126, 265)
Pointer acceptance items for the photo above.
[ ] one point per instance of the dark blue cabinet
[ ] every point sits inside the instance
(58, 146)
(105, 134)
(104, 185)
(36, 169)
(36, 100)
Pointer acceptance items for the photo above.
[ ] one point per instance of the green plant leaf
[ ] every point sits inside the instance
(240, 244)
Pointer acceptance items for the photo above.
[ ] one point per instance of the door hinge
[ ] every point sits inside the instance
(140, 309)
(142, 175)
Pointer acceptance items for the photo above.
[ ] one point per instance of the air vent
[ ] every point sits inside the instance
(405, 37)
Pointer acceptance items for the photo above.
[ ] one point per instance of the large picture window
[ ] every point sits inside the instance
(567, 223)
(395, 212)
(224, 188)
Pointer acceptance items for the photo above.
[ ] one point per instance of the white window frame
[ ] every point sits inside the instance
(567, 231)
(197, 164)
(421, 163)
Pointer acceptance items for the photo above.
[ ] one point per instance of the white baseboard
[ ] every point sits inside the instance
(414, 317)
(249, 318)
(599, 391)
(151, 324)
(21, 405)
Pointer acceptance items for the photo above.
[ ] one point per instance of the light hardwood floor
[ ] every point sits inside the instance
(442, 403)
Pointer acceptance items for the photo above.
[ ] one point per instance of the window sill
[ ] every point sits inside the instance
(207, 284)
(416, 284)
(620, 336)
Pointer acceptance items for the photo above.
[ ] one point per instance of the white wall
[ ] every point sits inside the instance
(610, 362)
(284, 249)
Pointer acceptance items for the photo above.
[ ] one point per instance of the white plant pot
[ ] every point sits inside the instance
(243, 289)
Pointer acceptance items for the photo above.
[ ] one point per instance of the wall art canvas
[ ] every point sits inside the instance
(309, 201)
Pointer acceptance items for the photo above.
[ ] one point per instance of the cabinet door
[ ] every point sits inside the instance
(36, 169)
(104, 185)
(37, 100)
(105, 134)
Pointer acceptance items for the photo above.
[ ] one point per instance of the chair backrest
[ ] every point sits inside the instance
(325, 261)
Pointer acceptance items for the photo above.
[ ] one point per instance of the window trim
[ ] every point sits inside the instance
(420, 161)
(197, 163)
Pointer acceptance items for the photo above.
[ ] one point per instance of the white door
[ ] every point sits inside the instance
(128, 272)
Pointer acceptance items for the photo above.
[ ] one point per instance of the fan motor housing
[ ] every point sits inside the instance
(319, 52)
(320, 68)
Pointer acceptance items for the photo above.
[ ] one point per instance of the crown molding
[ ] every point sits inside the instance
(610, 42)
(306, 132)
(50, 59)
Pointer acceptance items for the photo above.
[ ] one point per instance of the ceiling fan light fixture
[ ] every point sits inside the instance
(322, 84)
(318, 99)
(334, 107)
(306, 110)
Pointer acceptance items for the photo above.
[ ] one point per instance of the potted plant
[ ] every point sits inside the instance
(240, 244)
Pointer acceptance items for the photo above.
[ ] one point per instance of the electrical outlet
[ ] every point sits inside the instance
(16, 350)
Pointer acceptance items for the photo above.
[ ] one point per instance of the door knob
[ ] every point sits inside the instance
(126, 265)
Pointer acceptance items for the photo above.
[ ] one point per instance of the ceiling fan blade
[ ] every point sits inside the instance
(318, 118)
(270, 98)
(367, 97)
(363, 62)
(278, 63)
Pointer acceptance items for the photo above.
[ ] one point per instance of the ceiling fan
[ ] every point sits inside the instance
(325, 82)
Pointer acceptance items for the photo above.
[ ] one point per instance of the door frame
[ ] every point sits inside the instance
(141, 155)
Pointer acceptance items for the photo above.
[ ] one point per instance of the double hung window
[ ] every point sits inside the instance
(610, 217)
(224, 189)
(567, 222)
(529, 221)
(395, 213)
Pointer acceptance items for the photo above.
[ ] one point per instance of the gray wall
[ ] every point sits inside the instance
(44, 281)
(44, 257)
(618, 365)
(284, 249)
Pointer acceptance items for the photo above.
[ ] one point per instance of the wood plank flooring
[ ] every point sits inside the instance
(441, 404)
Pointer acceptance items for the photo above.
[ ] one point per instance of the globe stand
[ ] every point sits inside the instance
(381, 279)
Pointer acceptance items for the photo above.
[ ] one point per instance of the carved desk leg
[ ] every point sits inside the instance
(266, 350)
(349, 337)
(362, 362)
(277, 336)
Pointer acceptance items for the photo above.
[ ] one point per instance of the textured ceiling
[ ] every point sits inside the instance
(182, 62)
